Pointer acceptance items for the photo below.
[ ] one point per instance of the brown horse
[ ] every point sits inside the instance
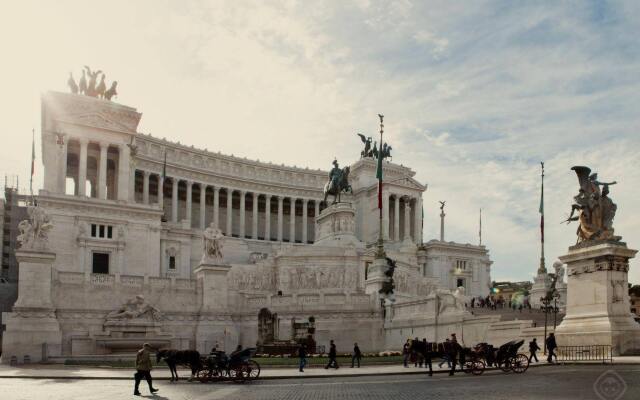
(173, 358)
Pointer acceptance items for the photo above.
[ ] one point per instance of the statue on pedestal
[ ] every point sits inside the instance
(366, 152)
(34, 232)
(596, 210)
(212, 241)
(338, 182)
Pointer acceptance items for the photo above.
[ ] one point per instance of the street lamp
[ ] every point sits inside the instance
(547, 307)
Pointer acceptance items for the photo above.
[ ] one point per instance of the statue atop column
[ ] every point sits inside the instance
(34, 232)
(212, 242)
(596, 210)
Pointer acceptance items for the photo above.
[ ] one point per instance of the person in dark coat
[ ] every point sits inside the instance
(143, 369)
(302, 355)
(454, 351)
(427, 355)
(551, 346)
(356, 356)
(445, 354)
(533, 347)
(333, 353)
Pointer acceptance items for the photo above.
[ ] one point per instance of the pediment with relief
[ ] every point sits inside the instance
(97, 120)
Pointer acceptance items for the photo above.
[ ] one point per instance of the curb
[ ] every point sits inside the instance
(280, 377)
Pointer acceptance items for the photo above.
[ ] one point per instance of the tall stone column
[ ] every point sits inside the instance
(189, 202)
(267, 217)
(216, 206)
(145, 187)
(280, 217)
(203, 205)
(174, 200)
(243, 195)
(292, 221)
(396, 219)
(417, 214)
(304, 220)
(124, 174)
(407, 219)
(64, 150)
(442, 214)
(82, 168)
(254, 217)
(317, 214)
(102, 171)
(160, 191)
(385, 215)
(229, 231)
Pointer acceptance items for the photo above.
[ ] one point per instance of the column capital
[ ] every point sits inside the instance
(305, 201)
(146, 173)
(268, 196)
(216, 189)
(188, 182)
(83, 141)
(104, 145)
(255, 195)
(242, 192)
(203, 185)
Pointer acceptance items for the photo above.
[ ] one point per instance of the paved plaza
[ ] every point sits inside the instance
(554, 382)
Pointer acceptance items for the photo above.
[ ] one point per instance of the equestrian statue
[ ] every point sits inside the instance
(338, 182)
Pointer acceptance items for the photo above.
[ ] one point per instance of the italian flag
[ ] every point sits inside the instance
(542, 212)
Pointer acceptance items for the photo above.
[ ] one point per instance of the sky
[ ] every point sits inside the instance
(475, 94)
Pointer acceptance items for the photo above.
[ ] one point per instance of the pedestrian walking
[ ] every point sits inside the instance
(533, 347)
(454, 351)
(333, 353)
(446, 349)
(302, 355)
(356, 356)
(427, 355)
(143, 369)
(406, 353)
(551, 347)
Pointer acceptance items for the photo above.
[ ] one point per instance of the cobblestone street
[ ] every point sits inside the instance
(561, 382)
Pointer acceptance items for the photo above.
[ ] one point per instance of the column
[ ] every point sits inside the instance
(280, 217)
(102, 171)
(254, 216)
(304, 220)
(216, 206)
(160, 191)
(62, 189)
(407, 218)
(396, 219)
(317, 214)
(123, 173)
(189, 203)
(229, 231)
(267, 217)
(292, 221)
(243, 194)
(385, 215)
(174, 200)
(417, 213)
(82, 168)
(203, 210)
(145, 187)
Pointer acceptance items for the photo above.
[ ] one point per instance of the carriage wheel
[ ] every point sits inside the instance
(477, 367)
(467, 367)
(520, 363)
(204, 375)
(505, 365)
(253, 369)
(239, 373)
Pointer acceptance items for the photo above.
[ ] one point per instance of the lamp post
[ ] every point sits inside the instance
(547, 308)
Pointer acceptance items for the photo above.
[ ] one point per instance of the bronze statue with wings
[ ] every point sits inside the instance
(367, 146)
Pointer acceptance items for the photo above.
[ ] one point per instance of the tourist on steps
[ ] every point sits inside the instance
(143, 367)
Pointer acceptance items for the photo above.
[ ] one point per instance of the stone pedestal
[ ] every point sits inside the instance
(597, 306)
(337, 226)
(215, 324)
(376, 277)
(33, 330)
(541, 283)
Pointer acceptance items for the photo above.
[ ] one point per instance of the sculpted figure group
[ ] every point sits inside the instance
(92, 88)
(136, 308)
(595, 208)
(34, 231)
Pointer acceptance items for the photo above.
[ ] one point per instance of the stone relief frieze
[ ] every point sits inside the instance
(319, 278)
(253, 279)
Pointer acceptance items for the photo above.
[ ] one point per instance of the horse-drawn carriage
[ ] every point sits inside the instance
(238, 366)
(506, 357)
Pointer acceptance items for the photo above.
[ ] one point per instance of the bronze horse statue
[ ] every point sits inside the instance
(338, 183)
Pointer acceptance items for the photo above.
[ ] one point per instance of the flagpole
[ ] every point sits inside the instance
(380, 251)
(542, 269)
(33, 160)
(480, 229)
